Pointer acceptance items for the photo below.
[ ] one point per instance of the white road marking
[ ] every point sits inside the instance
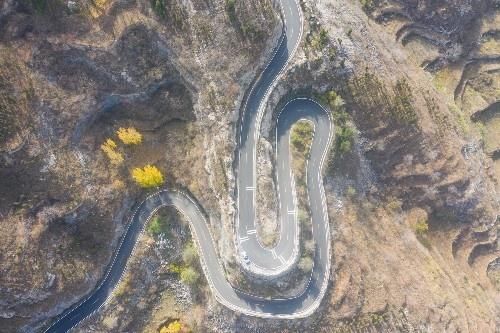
(251, 232)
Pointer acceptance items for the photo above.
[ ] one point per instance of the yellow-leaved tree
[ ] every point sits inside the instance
(109, 148)
(129, 136)
(173, 327)
(149, 176)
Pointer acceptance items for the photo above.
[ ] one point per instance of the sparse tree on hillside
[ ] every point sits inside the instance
(109, 148)
(129, 136)
(148, 177)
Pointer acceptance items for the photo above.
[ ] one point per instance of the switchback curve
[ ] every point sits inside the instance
(263, 260)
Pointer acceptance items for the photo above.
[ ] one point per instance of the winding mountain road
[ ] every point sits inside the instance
(263, 261)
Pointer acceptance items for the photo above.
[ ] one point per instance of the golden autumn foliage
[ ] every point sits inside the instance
(173, 327)
(97, 7)
(149, 176)
(110, 143)
(129, 136)
(109, 148)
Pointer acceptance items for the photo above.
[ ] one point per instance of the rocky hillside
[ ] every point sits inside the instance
(71, 74)
(414, 196)
(412, 182)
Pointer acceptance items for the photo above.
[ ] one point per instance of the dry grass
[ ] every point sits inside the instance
(381, 265)
(446, 79)
(492, 135)
(490, 46)
(15, 94)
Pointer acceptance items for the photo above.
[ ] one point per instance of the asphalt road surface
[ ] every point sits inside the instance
(262, 260)
(265, 261)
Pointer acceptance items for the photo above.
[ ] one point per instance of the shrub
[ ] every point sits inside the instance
(189, 254)
(368, 5)
(175, 268)
(148, 177)
(172, 11)
(421, 227)
(320, 40)
(189, 276)
(159, 7)
(345, 137)
(303, 216)
(157, 226)
(351, 191)
(231, 10)
(334, 100)
(332, 53)
(109, 148)
(302, 134)
(306, 264)
(129, 136)
(309, 247)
